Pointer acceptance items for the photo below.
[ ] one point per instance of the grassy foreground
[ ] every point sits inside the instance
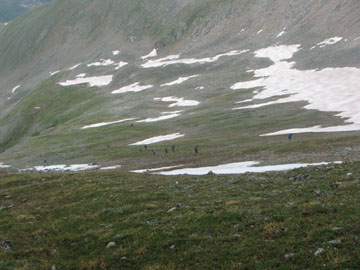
(253, 221)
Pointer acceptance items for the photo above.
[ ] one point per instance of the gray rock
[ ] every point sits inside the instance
(111, 244)
(172, 247)
(236, 237)
(289, 256)
(120, 236)
(53, 267)
(317, 192)
(172, 210)
(335, 242)
(6, 246)
(318, 251)
(335, 229)
(2, 207)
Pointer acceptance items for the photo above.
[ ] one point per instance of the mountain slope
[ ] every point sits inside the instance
(11, 9)
(224, 72)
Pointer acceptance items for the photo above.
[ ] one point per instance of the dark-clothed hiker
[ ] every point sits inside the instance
(290, 136)
(154, 151)
(196, 149)
(173, 148)
(145, 146)
(166, 150)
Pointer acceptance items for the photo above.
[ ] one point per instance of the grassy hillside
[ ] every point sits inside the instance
(253, 221)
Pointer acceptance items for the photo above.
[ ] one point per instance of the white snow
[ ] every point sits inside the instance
(74, 67)
(15, 88)
(180, 80)
(61, 168)
(53, 73)
(91, 81)
(107, 123)
(159, 139)
(160, 118)
(108, 62)
(6, 23)
(102, 62)
(120, 65)
(357, 38)
(178, 102)
(241, 168)
(329, 89)
(3, 166)
(153, 53)
(37, 108)
(174, 59)
(81, 75)
(200, 88)
(329, 41)
(156, 169)
(110, 168)
(258, 32)
(280, 34)
(115, 52)
(244, 101)
(135, 87)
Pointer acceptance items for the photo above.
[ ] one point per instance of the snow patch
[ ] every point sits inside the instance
(53, 73)
(74, 67)
(159, 139)
(110, 168)
(258, 32)
(135, 87)
(120, 65)
(329, 89)
(329, 41)
(174, 59)
(280, 34)
(115, 52)
(178, 102)
(160, 118)
(156, 169)
(81, 75)
(3, 166)
(102, 62)
(153, 53)
(180, 80)
(107, 123)
(241, 168)
(15, 88)
(91, 81)
(62, 168)
(200, 88)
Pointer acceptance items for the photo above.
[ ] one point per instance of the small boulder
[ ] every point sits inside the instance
(6, 246)
(289, 256)
(335, 242)
(110, 245)
(318, 251)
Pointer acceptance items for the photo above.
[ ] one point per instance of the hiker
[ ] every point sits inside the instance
(145, 146)
(173, 148)
(196, 149)
(166, 150)
(154, 151)
(290, 136)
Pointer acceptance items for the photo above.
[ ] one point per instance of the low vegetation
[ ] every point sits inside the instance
(302, 219)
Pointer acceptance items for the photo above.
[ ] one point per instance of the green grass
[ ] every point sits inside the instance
(228, 222)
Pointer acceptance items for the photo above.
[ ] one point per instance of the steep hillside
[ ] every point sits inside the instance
(90, 81)
(11, 9)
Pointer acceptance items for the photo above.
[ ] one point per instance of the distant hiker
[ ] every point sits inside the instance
(173, 148)
(145, 146)
(108, 145)
(132, 125)
(166, 150)
(290, 136)
(154, 151)
(196, 149)
(45, 161)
